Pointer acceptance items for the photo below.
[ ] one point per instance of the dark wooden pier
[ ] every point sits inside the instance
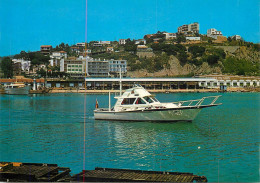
(33, 172)
(124, 175)
(40, 172)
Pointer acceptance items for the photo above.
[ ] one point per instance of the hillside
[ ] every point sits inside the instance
(236, 60)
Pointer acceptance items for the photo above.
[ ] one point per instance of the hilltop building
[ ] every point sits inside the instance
(213, 33)
(189, 28)
(144, 51)
(236, 37)
(81, 44)
(46, 49)
(122, 41)
(140, 41)
(102, 43)
(110, 49)
(170, 35)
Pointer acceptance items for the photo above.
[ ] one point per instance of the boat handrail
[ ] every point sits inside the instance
(197, 102)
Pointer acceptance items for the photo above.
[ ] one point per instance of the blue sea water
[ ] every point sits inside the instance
(222, 143)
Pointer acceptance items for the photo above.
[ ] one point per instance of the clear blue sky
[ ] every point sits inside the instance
(28, 24)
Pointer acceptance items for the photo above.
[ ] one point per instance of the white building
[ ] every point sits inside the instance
(189, 28)
(193, 38)
(102, 43)
(236, 37)
(140, 40)
(115, 65)
(122, 41)
(25, 64)
(56, 57)
(81, 44)
(170, 35)
(213, 33)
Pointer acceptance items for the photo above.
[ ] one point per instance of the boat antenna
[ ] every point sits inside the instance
(120, 82)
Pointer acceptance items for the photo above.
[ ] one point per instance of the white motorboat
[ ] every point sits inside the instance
(137, 104)
(17, 88)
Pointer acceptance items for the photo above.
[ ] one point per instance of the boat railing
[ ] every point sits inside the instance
(198, 102)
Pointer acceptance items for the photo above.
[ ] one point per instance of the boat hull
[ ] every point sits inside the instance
(159, 115)
(18, 91)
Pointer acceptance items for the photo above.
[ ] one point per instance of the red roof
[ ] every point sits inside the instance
(46, 46)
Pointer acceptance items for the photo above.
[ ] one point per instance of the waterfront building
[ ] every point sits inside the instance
(73, 66)
(105, 68)
(98, 68)
(115, 65)
(163, 84)
(189, 28)
(46, 49)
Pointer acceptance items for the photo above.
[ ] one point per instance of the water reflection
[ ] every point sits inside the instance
(221, 141)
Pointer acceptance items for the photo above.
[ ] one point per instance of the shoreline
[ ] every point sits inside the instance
(161, 91)
(229, 90)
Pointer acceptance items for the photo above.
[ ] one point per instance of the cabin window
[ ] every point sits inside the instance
(128, 101)
(148, 99)
(154, 99)
(140, 101)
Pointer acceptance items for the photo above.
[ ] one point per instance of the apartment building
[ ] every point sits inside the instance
(115, 65)
(189, 28)
(46, 49)
(21, 65)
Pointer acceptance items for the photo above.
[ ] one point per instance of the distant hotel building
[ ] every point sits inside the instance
(76, 67)
(189, 28)
(105, 68)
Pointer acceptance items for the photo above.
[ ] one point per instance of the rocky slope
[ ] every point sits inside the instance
(176, 69)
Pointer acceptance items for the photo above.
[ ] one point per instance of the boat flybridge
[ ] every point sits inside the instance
(137, 104)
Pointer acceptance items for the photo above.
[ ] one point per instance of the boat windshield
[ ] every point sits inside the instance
(127, 101)
(154, 99)
(148, 99)
(140, 101)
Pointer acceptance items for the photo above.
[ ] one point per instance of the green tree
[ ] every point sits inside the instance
(183, 57)
(180, 38)
(196, 51)
(7, 67)
(213, 59)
